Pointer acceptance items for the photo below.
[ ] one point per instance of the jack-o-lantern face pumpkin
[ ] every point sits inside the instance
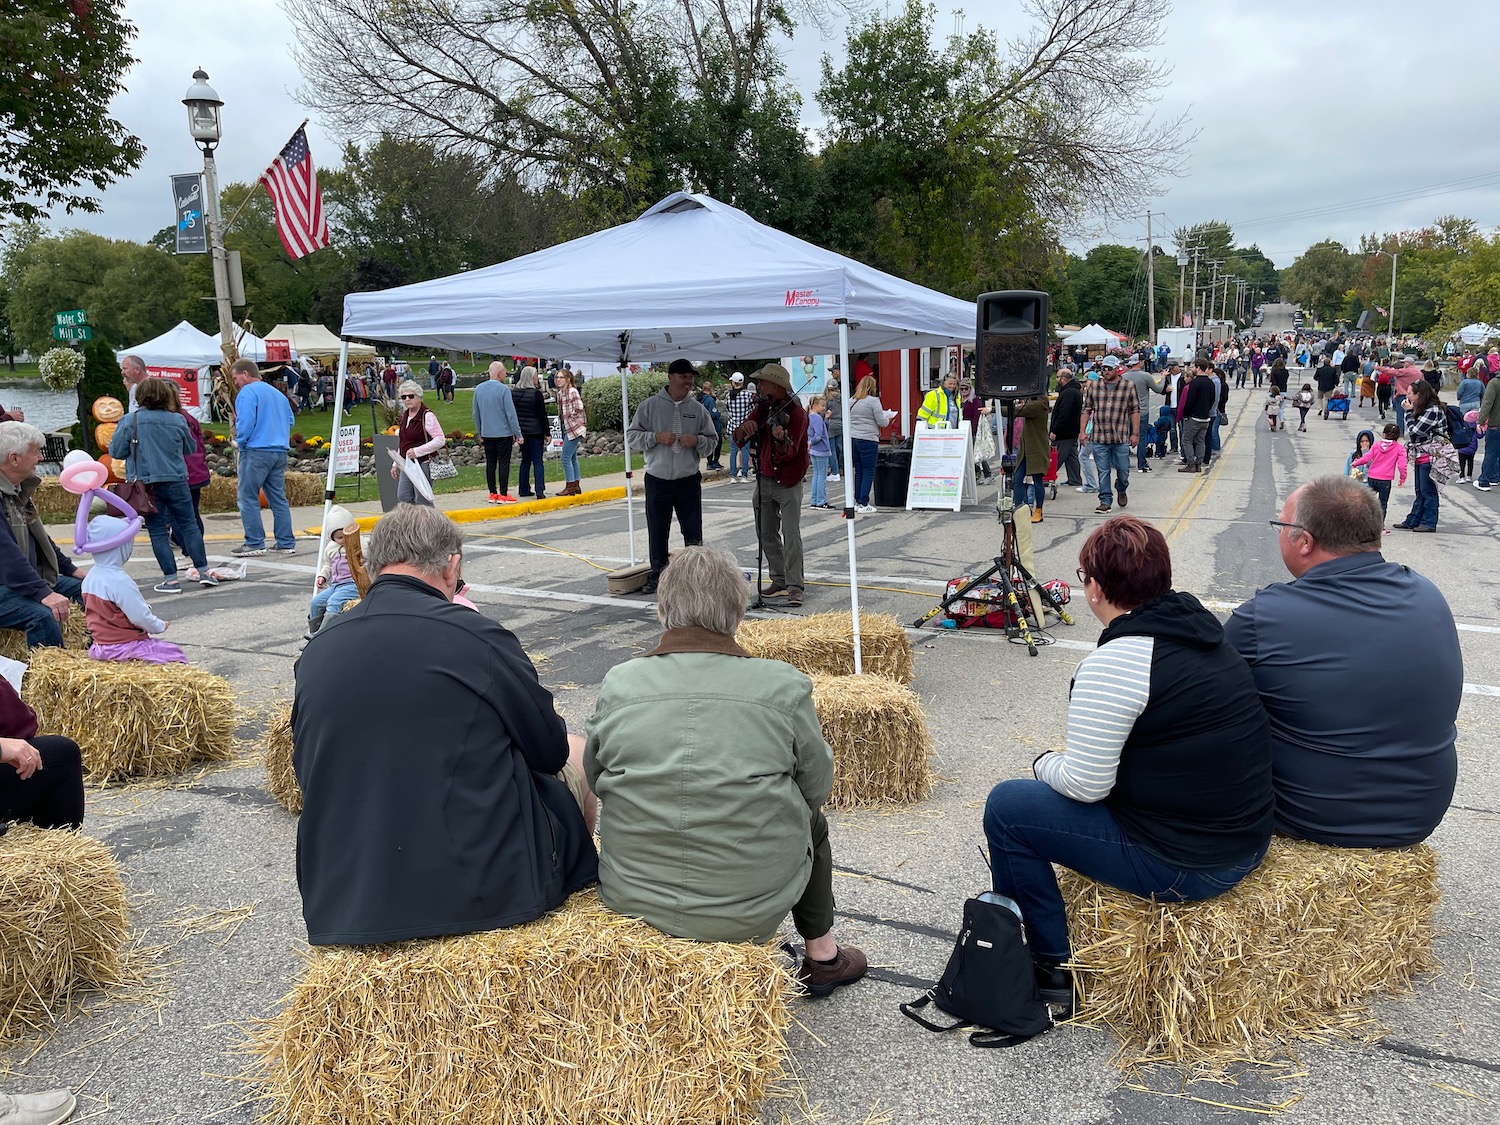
(108, 410)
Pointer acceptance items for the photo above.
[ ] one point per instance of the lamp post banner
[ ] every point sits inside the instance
(187, 199)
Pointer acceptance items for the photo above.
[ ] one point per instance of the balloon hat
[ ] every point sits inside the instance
(85, 478)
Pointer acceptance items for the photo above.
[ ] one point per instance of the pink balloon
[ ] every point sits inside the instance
(132, 518)
(83, 476)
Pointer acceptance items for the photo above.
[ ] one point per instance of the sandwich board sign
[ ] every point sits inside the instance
(942, 469)
(346, 450)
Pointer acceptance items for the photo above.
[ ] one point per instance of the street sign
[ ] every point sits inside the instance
(72, 333)
(70, 317)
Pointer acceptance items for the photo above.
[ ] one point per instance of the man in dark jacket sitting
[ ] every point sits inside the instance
(37, 581)
(458, 806)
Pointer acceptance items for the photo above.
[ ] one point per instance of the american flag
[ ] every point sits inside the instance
(292, 183)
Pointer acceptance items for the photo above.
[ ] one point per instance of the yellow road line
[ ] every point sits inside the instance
(510, 511)
(1187, 506)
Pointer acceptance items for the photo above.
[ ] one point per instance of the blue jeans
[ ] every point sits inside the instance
(330, 600)
(1034, 493)
(570, 459)
(1112, 455)
(174, 507)
(1382, 489)
(739, 459)
(1424, 509)
(1489, 468)
(1399, 401)
(264, 470)
(33, 618)
(864, 468)
(819, 482)
(532, 449)
(1143, 446)
(835, 453)
(1030, 826)
(1213, 434)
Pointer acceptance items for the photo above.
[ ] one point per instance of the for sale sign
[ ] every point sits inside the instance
(346, 450)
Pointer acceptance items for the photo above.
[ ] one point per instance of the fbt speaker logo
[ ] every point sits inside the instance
(802, 299)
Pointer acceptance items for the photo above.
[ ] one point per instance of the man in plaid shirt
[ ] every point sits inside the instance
(1112, 407)
(738, 404)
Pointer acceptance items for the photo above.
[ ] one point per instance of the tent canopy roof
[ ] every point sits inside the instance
(1092, 335)
(691, 277)
(315, 340)
(186, 346)
(1477, 333)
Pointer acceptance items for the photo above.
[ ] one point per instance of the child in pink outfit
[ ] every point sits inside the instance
(1384, 461)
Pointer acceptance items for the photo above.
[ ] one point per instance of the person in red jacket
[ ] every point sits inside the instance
(781, 422)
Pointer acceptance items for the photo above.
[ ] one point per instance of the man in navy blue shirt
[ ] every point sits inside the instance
(1352, 627)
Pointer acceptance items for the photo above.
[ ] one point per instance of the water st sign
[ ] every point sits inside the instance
(69, 318)
(72, 333)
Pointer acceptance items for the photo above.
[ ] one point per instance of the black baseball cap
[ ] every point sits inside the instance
(681, 367)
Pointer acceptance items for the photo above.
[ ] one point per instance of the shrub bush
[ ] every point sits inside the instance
(601, 397)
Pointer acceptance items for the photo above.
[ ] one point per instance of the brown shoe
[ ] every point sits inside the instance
(821, 978)
(793, 595)
(1036, 515)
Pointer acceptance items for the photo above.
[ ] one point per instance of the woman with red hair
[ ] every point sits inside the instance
(1163, 787)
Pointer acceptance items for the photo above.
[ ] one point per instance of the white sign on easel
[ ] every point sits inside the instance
(346, 450)
(942, 469)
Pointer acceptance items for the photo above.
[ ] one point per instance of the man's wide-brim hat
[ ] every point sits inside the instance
(774, 373)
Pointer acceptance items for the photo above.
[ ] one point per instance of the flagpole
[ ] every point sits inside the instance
(251, 193)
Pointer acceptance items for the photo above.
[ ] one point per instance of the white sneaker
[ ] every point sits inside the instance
(47, 1108)
(834, 477)
(867, 509)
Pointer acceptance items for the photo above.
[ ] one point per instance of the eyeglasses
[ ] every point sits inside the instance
(1082, 577)
(408, 396)
(1281, 525)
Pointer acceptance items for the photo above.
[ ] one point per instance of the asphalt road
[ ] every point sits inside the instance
(218, 855)
(1278, 318)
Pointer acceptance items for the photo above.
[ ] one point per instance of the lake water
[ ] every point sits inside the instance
(46, 410)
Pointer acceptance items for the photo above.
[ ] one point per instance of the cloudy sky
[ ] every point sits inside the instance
(1315, 118)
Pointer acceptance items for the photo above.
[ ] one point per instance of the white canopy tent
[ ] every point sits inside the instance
(184, 347)
(1477, 333)
(1091, 336)
(316, 341)
(692, 277)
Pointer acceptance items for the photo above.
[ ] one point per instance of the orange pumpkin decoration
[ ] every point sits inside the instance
(103, 432)
(108, 409)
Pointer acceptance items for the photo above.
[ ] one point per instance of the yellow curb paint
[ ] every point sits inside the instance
(508, 511)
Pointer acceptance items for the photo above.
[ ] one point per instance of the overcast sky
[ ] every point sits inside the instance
(1362, 108)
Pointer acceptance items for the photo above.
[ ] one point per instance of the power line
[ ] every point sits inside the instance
(1404, 196)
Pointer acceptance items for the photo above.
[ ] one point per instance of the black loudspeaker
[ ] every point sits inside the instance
(1010, 336)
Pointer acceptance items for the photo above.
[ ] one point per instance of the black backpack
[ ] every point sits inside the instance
(989, 981)
(1460, 433)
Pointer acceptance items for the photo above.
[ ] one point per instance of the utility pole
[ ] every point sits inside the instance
(1197, 321)
(1150, 284)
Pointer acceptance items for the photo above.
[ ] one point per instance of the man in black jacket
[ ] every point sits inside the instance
(459, 805)
(1198, 412)
(1067, 416)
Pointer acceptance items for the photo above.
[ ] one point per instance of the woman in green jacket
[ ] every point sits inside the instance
(1033, 455)
(712, 772)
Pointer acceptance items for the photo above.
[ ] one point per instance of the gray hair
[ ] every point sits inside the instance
(133, 361)
(1342, 515)
(19, 437)
(417, 536)
(409, 386)
(703, 588)
(527, 377)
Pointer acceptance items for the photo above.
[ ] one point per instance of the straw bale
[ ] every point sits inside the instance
(304, 490)
(63, 921)
(1292, 953)
(53, 501)
(131, 719)
(881, 748)
(280, 778)
(824, 643)
(221, 494)
(581, 1017)
(75, 633)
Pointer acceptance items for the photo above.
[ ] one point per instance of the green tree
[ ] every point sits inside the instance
(1320, 278)
(101, 378)
(1109, 288)
(1470, 290)
(61, 63)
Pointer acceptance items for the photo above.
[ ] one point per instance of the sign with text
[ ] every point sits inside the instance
(278, 351)
(187, 199)
(346, 450)
(72, 333)
(188, 387)
(942, 469)
(70, 318)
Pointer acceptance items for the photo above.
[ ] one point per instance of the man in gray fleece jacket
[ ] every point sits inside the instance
(673, 431)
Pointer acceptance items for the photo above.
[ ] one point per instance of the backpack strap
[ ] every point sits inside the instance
(910, 1010)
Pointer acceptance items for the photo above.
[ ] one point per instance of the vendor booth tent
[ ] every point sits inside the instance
(187, 356)
(691, 278)
(316, 341)
(1477, 333)
(1091, 336)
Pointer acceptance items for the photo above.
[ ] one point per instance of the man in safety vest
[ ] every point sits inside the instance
(940, 407)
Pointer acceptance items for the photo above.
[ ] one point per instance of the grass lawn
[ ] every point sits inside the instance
(22, 371)
(471, 477)
(457, 415)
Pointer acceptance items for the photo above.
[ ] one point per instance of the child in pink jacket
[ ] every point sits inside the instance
(1386, 458)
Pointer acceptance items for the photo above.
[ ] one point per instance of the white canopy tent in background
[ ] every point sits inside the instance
(184, 347)
(691, 278)
(1091, 336)
(316, 341)
(1477, 333)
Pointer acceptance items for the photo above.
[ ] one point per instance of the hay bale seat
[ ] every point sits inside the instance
(583, 1016)
(63, 916)
(75, 633)
(131, 719)
(1291, 953)
(281, 779)
(881, 748)
(823, 643)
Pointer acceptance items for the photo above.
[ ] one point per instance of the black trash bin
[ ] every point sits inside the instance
(892, 473)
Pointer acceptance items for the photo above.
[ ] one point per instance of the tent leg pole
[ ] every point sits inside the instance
(624, 426)
(329, 489)
(849, 389)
